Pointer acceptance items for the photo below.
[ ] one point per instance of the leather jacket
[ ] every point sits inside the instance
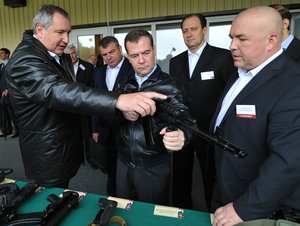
(131, 142)
(47, 105)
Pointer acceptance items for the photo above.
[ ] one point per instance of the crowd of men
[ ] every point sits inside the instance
(248, 95)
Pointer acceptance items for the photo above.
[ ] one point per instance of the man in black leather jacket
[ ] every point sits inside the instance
(143, 171)
(48, 104)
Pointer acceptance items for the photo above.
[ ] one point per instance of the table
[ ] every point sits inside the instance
(140, 214)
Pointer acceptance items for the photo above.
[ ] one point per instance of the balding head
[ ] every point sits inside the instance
(256, 35)
(263, 19)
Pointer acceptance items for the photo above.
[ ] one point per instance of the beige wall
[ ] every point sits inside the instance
(14, 21)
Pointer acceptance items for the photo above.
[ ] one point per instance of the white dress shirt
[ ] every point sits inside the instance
(285, 44)
(112, 74)
(194, 57)
(244, 78)
(56, 57)
(75, 67)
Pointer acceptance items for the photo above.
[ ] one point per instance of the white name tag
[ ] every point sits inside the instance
(82, 67)
(122, 203)
(246, 111)
(168, 211)
(207, 75)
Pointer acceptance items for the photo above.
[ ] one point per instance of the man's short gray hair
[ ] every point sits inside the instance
(71, 46)
(44, 16)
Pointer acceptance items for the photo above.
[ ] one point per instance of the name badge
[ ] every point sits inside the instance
(207, 75)
(82, 67)
(246, 111)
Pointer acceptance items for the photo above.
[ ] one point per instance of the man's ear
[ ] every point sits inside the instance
(286, 23)
(205, 29)
(273, 41)
(39, 30)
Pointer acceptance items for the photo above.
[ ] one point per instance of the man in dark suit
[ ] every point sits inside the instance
(83, 72)
(7, 113)
(93, 59)
(204, 71)
(117, 68)
(290, 43)
(259, 111)
(5, 124)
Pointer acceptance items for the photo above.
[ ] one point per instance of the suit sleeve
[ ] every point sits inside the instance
(43, 84)
(172, 67)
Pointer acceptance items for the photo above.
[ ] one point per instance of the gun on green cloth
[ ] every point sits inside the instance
(105, 213)
(59, 207)
(54, 213)
(9, 212)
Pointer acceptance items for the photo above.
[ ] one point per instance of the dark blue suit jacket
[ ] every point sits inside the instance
(98, 125)
(293, 50)
(100, 74)
(3, 85)
(269, 178)
(2, 79)
(85, 73)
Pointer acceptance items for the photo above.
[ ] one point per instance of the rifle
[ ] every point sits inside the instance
(54, 213)
(9, 212)
(177, 118)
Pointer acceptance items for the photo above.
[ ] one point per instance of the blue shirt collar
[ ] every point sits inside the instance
(140, 79)
(285, 44)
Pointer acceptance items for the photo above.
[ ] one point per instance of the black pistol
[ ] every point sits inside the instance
(105, 213)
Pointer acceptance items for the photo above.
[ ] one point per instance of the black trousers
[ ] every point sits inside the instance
(147, 184)
(182, 177)
(111, 172)
(12, 117)
(183, 173)
(6, 119)
(1, 117)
